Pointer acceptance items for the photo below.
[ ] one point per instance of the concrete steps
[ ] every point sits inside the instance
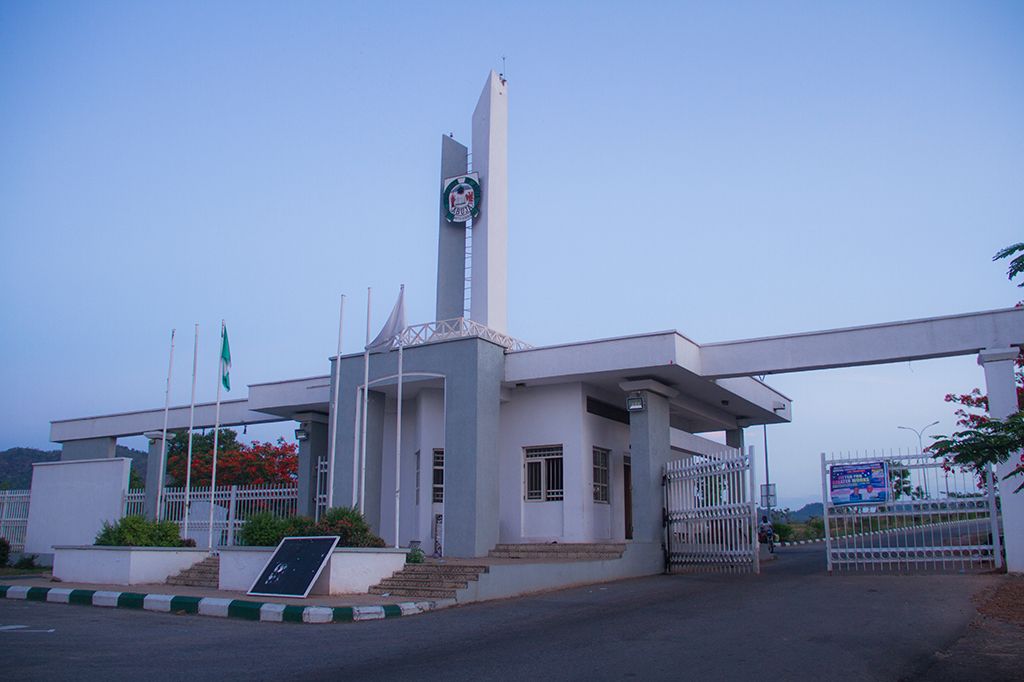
(206, 573)
(436, 581)
(561, 551)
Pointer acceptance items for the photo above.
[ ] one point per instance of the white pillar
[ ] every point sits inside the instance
(1001, 387)
(489, 287)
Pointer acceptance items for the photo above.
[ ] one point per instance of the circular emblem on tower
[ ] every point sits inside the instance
(460, 198)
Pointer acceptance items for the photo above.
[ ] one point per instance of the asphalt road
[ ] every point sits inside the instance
(792, 622)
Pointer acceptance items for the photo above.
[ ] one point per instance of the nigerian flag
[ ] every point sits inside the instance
(225, 358)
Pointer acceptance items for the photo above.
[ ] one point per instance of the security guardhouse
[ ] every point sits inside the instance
(506, 443)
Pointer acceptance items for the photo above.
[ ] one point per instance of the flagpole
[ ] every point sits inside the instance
(191, 425)
(216, 435)
(163, 436)
(398, 426)
(332, 436)
(366, 397)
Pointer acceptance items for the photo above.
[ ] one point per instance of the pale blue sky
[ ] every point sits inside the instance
(725, 169)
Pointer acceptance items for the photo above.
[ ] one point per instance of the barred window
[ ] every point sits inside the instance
(417, 477)
(438, 475)
(543, 473)
(601, 474)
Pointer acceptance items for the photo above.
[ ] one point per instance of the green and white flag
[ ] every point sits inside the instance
(225, 359)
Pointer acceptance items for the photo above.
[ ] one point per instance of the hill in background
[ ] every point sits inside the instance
(16, 465)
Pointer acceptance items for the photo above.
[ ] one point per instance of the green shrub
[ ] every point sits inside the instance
(26, 561)
(415, 556)
(5, 551)
(266, 530)
(783, 530)
(262, 530)
(350, 527)
(299, 526)
(136, 531)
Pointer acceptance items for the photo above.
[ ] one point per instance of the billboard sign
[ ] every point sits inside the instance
(866, 483)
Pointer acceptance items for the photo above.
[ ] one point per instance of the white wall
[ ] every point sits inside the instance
(543, 415)
(429, 435)
(605, 521)
(71, 500)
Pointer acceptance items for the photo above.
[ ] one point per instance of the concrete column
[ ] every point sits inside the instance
(153, 472)
(471, 510)
(374, 457)
(451, 239)
(734, 438)
(88, 448)
(1001, 387)
(314, 446)
(650, 449)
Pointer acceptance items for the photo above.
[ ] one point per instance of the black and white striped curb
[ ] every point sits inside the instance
(215, 606)
(884, 531)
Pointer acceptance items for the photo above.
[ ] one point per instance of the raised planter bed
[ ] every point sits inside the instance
(350, 570)
(122, 565)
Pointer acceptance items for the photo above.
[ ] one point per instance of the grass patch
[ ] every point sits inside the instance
(10, 570)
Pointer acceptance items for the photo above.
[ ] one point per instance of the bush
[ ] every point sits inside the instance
(136, 531)
(415, 556)
(350, 527)
(262, 530)
(299, 526)
(266, 530)
(26, 561)
(5, 551)
(783, 530)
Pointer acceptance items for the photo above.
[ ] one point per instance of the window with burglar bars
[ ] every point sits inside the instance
(438, 475)
(417, 477)
(601, 474)
(544, 473)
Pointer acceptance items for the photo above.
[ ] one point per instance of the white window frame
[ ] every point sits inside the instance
(548, 467)
(601, 470)
(437, 465)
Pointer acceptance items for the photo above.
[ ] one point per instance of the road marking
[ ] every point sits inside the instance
(22, 628)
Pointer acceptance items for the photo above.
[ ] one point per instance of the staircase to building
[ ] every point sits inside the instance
(429, 580)
(206, 573)
(560, 551)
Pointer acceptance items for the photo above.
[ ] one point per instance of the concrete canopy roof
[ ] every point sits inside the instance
(666, 357)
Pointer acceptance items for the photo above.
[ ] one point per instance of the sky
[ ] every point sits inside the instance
(729, 170)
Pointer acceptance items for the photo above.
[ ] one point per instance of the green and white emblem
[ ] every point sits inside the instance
(460, 198)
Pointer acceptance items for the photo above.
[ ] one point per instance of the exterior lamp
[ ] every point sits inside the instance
(301, 434)
(636, 402)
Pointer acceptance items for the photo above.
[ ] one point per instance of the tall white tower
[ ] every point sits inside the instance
(489, 279)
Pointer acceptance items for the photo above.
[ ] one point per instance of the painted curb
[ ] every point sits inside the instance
(884, 531)
(216, 607)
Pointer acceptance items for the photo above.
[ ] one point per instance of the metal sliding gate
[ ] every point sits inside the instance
(935, 517)
(711, 513)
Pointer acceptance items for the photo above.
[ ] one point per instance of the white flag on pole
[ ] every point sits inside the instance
(392, 328)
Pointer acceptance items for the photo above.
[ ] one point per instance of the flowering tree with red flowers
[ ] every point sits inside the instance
(237, 463)
(986, 441)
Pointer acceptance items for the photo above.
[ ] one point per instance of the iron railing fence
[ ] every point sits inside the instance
(935, 518)
(233, 505)
(711, 513)
(459, 327)
(14, 517)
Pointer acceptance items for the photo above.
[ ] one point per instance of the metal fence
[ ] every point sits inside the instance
(14, 517)
(232, 506)
(935, 518)
(711, 513)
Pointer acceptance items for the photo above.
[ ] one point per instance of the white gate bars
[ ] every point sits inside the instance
(322, 471)
(936, 518)
(711, 513)
(233, 505)
(14, 517)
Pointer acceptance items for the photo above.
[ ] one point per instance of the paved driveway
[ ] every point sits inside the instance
(792, 622)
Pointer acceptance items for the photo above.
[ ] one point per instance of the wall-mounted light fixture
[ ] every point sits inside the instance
(301, 434)
(636, 402)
